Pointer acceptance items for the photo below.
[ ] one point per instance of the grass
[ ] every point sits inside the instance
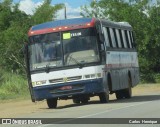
(13, 86)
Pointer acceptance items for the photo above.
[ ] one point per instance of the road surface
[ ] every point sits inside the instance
(144, 105)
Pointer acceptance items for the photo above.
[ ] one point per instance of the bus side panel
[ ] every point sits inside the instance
(115, 80)
(119, 79)
(105, 84)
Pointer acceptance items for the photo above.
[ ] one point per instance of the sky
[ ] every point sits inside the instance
(73, 6)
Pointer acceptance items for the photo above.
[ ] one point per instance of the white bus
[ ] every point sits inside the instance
(81, 58)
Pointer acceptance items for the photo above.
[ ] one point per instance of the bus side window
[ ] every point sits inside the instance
(106, 37)
(118, 38)
(109, 37)
(112, 37)
(120, 32)
(129, 38)
(124, 39)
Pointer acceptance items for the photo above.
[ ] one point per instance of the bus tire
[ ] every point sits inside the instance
(119, 94)
(104, 97)
(128, 91)
(76, 101)
(85, 100)
(52, 103)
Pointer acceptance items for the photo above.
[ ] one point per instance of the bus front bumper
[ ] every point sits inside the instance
(69, 89)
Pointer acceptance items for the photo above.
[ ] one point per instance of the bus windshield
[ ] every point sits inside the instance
(45, 50)
(80, 46)
(63, 49)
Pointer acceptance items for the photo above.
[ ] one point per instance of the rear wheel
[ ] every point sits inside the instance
(104, 97)
(119, 94)
(52, 103)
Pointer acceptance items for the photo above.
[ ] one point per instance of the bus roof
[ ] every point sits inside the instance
(70, 24)
(60, 25)
(113, 24)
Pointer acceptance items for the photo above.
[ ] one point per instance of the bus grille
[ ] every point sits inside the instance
(67, 79)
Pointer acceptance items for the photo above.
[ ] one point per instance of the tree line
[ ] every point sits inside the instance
(143, 15)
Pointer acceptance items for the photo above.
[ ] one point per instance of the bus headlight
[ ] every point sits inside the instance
(97, 75)
(38, 83)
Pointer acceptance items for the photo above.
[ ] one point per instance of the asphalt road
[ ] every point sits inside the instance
(142, 106)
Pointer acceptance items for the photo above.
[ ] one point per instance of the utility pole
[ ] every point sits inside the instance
(65, 12)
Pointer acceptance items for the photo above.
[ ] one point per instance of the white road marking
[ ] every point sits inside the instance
(112, 110)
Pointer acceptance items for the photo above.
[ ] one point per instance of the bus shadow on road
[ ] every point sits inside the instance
(77, 105)
(138, 98)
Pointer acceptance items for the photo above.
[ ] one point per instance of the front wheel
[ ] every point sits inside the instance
(52, 103)
(104, 97)
(84, 100)
(76, 101)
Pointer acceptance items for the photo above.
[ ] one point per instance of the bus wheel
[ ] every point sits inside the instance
(76, 101)
(84, 100)
(119, 94)
(52, 103)
(104, 97)
(128, 91)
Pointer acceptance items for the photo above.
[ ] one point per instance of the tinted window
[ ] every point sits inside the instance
(114, 31)
(124, 39)
(106, 37)
(109, 37)
(112, 37)
(131, 36)
(129, 39)
(118, 38)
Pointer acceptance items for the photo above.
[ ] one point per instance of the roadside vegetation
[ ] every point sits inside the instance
(143, 15)
(13, 86)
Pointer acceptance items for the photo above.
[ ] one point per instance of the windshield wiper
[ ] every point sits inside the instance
(47, 68)
(81, 65)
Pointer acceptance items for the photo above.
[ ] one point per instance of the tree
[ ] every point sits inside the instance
(46, 12)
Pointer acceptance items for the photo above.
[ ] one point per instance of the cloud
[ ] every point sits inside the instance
(28, 6)
(71, 12)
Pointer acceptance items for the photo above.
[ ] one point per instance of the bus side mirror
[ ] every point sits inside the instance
(100, 33)
(101, 37)
(24, 48)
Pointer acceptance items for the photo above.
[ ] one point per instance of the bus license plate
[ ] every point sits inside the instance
(66, 88)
